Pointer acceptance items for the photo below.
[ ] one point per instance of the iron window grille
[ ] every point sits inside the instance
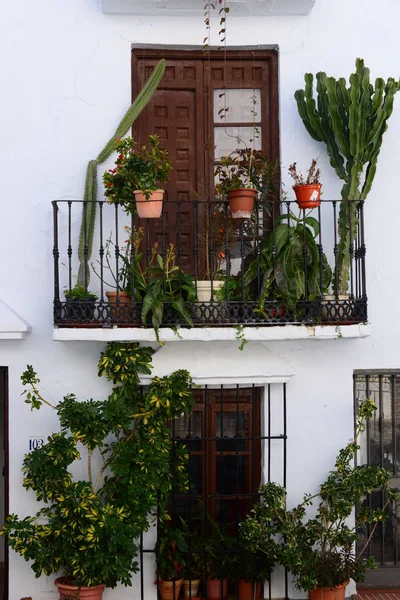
(380, 446)
(236, 439)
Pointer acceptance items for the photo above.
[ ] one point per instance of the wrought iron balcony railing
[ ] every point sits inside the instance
(197, 266)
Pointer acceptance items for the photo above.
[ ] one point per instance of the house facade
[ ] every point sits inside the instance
(70, 71)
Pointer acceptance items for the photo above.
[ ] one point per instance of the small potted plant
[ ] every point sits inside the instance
(170, 557)
(307, 189)
(194, 559)
(217, 560)
(242, 175)
(252, 568)
(138, 175)
(118, 268)
(80, 304)
(319, 550)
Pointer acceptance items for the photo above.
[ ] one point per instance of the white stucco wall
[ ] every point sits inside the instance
(65, 81)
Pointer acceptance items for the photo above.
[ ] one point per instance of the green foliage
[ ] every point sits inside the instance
(288, 263)
(171, 549)
(87, 527)
(246, 168)
(143, 169)
(351, 122)
(89, 210)
(79, 293)
(319, 550)
(167, 283)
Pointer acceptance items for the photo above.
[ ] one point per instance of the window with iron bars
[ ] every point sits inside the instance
(380, 446)
(236, 439)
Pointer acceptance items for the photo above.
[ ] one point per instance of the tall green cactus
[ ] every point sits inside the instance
(351, 121)
(89, 209)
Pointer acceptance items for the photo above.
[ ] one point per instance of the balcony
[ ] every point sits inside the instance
(197, 274)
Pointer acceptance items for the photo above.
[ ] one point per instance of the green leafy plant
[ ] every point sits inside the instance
(312, 177)
(87, 527)
(79, 294)
(245, 168)
(170, 552)
(287, 263)
(167, 283)
(145, 169)
(319, 550)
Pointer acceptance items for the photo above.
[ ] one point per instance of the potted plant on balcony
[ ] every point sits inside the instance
(240, 176)
(288, 265)
(170, 558)
(116, 272)
(319, 549)
(80, 304)
(138, 174)
(85, 529)
(164, 284)
(307, 189)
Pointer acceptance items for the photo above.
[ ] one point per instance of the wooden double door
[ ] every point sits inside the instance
(205, 103)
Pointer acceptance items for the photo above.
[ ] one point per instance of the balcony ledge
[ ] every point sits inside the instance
(213, 334)
(175, 8)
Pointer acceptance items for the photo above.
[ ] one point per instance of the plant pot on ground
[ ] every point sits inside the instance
(242, 176)
(85, 529)
(319, 548)
(170, 558)
(67, 591)
(80, 304)
(307, 189)
(137, 176)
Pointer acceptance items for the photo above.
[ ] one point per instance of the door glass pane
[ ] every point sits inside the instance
(190, 430)
(244, 106)
(228, 139)
(234, 426)
(232, 474)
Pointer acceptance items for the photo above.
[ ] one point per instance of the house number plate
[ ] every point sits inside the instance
(35, 443)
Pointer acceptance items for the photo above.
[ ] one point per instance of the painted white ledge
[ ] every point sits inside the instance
(221, 363)
(213, 334)
(12, 326)
(175, 8)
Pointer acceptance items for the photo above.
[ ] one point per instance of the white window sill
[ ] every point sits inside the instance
(12, 326)
(175, 8)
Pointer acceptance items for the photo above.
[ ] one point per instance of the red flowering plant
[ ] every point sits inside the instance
(142, 169)
(170, 552)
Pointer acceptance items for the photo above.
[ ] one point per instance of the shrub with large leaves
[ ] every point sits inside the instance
(87, 528)
(288, 265)
(319, 551)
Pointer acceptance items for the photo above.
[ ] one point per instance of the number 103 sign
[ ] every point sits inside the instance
(35, 443)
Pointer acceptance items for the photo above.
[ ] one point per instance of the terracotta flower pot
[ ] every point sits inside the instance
(336, 593)
(214, 589)
(190, 588)
(170, 590)
(246, 589)
(241, 202)
(68, 591)
(151, 208)
(123, 311)
(308, 196)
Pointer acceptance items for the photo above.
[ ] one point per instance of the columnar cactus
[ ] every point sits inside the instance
(89, 210)
(351, 122)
